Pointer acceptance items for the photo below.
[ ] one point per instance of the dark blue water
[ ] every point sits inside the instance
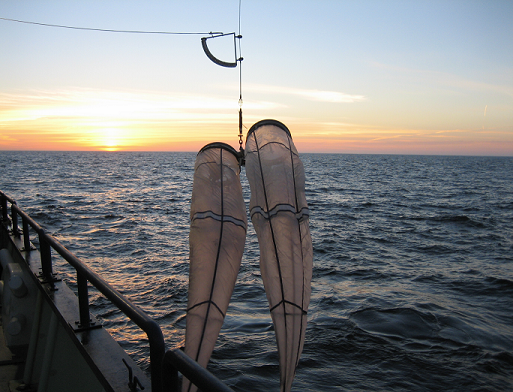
(413, 264)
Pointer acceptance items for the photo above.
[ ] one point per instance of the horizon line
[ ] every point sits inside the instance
(305, 152)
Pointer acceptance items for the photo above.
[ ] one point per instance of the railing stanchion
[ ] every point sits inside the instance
(26, 235)
(14, 215)
(46, 256)
(3, 199)
(170, 380)
(83, 300)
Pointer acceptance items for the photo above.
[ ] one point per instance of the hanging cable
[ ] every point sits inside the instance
(239, 60)
(108, 30)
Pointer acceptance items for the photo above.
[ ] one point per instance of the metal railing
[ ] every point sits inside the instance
(164, 365)
(84, 275)
(202, 378)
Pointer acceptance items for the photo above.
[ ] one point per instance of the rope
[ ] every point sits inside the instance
(107, 30)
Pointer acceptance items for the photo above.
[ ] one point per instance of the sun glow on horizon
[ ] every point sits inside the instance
(112, 121)
(85, 119)
(111, 138)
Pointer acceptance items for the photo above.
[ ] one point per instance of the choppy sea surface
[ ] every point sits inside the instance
(412, 284)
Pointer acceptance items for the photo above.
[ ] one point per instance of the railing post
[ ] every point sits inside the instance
(170, 380)
(4, 206)
(14, 214)
(46, 256)
(26, 235)
(157, 351)
(83, 301)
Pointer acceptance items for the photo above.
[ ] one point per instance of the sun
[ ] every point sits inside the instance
(111, 139)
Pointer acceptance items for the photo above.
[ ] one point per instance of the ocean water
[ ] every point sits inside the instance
(412, 284)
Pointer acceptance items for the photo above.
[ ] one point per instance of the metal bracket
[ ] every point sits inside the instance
(44, 280)
(92, 325)
(215, 59)
(32, 247)
(132, 381)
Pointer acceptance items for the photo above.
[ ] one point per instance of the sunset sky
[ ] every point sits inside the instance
(393, 77)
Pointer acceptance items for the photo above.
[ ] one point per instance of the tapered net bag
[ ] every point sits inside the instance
(216, 240)
(280, 215)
